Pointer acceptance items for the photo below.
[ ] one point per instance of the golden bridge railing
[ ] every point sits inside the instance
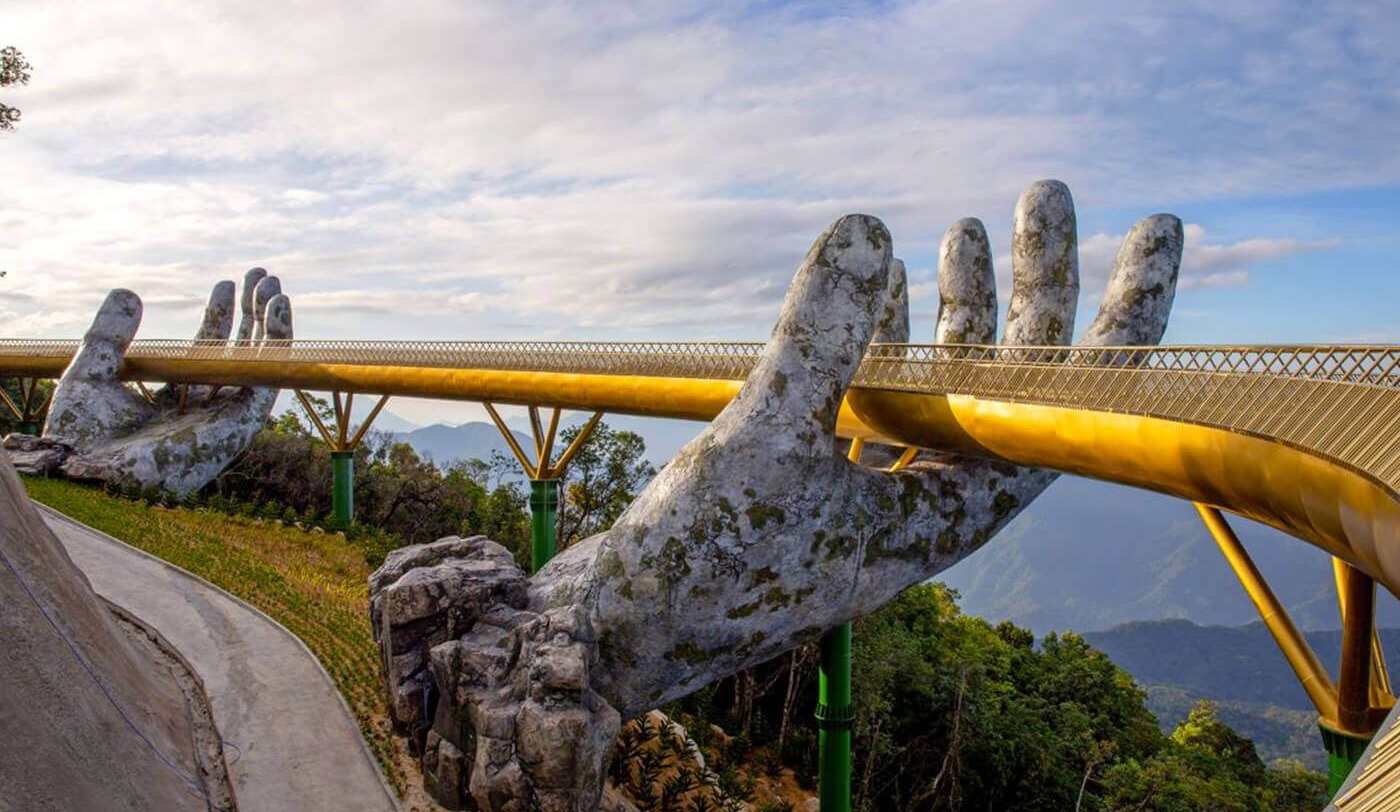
(1336, 401)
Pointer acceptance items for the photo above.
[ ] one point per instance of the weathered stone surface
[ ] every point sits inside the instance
(250, 284)
(967, 286)
(1143, 284)
(508, 690)
(894, 324)
(218, 314)
(178, 442)
(36, 456)
(1044, 266)
(760, 535)
(269, 288)
(428, 594)
(89, 405)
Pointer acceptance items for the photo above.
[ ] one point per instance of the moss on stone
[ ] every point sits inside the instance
(688, 653)
(1004, 503)
(763, 575)
(743, 610)
(760, 515)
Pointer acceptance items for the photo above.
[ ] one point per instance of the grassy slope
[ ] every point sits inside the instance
(314, 584)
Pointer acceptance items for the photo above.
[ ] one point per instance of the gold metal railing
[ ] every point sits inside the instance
(1335, 401)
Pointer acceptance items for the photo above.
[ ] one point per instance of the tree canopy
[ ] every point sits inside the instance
(14, 70)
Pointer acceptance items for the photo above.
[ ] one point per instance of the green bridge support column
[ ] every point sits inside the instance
(834, 717)
(544, 507)
(28, 427)
(1343, 751)
(342, 442)
(343, 486)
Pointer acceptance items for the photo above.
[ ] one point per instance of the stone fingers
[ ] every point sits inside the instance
(268, 288)
(894, 324)
(828, 318)
(1140, 291)
(1044, 267)
(273, 326)
(250, 283)
(218, 314)
(967, 286)
(277, 318)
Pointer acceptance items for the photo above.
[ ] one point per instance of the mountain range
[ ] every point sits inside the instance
(1240, 668)
(1089, 556)
(478, 440)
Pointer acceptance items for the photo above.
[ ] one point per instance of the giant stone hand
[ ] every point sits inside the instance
(758, 537)
(182, 437)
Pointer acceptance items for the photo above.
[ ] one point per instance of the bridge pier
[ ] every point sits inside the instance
(544, 474)
(343, 486)
(343, 442)
(544, 511)
(835, 717)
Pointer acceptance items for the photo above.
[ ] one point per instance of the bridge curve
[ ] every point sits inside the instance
(1303, 438)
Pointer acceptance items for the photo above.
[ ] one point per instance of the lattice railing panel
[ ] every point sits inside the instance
(1338, 401)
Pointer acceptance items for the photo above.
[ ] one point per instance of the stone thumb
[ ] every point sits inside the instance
(89, 403)
(831, 310)
(104, 344)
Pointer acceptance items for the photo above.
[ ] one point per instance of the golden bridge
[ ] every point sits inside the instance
(1305, 439)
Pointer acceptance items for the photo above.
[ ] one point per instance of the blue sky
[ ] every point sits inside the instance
(640, 170)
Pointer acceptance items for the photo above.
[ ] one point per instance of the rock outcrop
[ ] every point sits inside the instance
(497, 700)
(759, 536)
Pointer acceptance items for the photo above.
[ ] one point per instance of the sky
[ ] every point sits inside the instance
(649, 170)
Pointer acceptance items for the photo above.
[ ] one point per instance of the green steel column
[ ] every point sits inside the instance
(1343, 751)
(834, 715)
(28, 427)
(343, 486)
(544, 504)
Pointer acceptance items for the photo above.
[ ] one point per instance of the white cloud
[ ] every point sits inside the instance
(1204, 264)
(623, 166)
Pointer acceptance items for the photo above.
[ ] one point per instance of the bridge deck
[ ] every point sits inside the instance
(1305, 438)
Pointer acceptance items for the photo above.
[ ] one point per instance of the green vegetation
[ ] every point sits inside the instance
(956, 714)
(258, 532)
(1239, 668)
(600, 482)
(400, 498)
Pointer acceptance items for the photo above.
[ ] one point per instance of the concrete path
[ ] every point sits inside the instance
(296, 746)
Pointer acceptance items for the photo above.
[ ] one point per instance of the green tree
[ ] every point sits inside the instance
(14, 70)
(40, 394)
(1203, 733)
(1291, 787)
(601, 481)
